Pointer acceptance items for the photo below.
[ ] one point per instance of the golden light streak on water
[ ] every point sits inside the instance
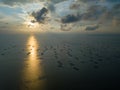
(33, 77)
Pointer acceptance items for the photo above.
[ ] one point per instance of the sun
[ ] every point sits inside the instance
(29, 24)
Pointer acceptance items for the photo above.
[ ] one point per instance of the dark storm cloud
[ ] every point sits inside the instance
(94, 12)
(70, 18)
(92, 28)
(40, 16)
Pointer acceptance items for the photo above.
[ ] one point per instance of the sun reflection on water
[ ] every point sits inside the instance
(33, 72)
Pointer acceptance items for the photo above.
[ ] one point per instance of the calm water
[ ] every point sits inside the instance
(59, 61)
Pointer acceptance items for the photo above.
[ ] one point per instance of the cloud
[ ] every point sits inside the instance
(56, 1)
(70, 18)
(69, 14)
(94, 12)
(99, 1)
(75, 6)
(101, 11)
(116, 14)
(15, 2)
(50, 6)
(113, 0)
(92, 28)
(116, 10)
(66, 27)
(116, 21)
(40, 15)
(116, 6)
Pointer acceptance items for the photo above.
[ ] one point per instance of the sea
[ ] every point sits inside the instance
(59, 61)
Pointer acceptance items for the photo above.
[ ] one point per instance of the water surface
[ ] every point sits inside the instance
(59, 61)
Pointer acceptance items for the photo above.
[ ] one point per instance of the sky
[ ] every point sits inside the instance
(81, 16)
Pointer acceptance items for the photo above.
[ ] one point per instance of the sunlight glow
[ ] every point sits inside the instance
(28, 22)
(33, 71)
